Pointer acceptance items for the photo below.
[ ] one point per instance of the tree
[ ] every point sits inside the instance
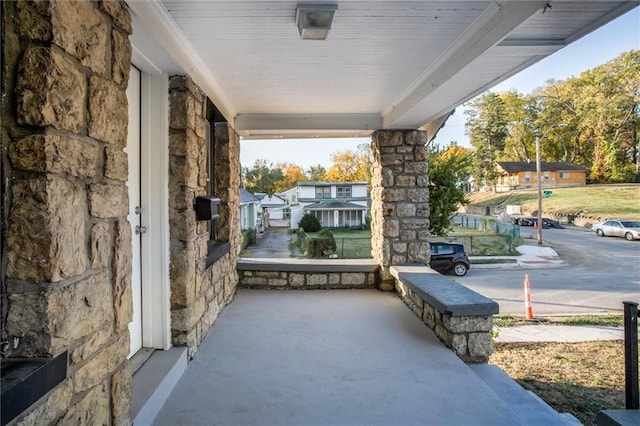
(350, 166)
(487, 128)
(316, 173)
(447, 170)
(261, 177)
(291, 176)
(591, 120)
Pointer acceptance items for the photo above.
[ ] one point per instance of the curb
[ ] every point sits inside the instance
(520, 263)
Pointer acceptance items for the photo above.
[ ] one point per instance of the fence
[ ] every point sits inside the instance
(487, 225)
(353, 248)
(482, 245)
(346, 248)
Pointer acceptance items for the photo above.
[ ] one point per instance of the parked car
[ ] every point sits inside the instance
(529, 221)
(449, 258)
(629, 229)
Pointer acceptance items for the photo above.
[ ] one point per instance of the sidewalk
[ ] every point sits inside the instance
(558, 333)
(531, 256)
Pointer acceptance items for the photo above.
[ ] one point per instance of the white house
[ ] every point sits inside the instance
(335, 204)
(272, 204)
(249, 206)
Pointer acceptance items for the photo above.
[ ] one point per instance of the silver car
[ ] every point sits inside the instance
(629, 229)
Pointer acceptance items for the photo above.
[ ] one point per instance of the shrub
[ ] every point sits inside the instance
(320, 247)
(309, 223)
(247, 237)
(325, 233)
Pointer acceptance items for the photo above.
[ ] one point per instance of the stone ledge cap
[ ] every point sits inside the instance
(307, 265)
(444, 294)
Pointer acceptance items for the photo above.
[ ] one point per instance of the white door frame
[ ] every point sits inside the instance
(134, 186)
(156, 314)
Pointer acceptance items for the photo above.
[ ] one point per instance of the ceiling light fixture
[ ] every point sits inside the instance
(314, 20)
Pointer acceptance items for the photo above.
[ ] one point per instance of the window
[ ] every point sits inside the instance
(217, 246)
(349, 219)
(564, 175)
(527, 176)
(546, 176)
(323, 192)
(211, 178)
(443, 249)
(343, 191)
(325, 217)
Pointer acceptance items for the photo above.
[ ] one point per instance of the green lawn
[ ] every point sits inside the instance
(351, 244)
(598, 201)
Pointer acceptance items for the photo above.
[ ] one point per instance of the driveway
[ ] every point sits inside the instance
(272, 243)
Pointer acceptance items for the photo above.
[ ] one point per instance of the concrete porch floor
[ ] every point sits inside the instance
(340, 357)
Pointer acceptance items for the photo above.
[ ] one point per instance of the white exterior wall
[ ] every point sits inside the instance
(276, 213)
(358, 191)
(290, 195)
(248, 215)
(296, 215)
(307, 192)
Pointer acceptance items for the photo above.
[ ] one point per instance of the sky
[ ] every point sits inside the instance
(598, 47)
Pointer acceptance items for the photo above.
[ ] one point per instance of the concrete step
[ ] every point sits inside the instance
(154, 382)
(530, 409)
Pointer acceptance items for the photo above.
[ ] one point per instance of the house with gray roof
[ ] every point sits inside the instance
(335, 204)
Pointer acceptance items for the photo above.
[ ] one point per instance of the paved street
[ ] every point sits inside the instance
(600, 274)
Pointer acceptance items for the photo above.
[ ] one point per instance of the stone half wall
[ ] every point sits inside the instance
(67, 243)
(461, 318)
(469, 337)
(284, 280)
(400, 200)
(199, 289)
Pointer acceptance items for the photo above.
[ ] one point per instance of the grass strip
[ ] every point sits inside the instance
(610, 320)
(580, 378)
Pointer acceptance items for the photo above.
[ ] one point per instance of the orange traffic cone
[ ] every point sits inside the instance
(527, 299)
(535, 225)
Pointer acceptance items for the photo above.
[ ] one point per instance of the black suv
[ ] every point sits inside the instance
(449, 258)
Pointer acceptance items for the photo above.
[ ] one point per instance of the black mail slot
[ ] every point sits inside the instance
(207, 208)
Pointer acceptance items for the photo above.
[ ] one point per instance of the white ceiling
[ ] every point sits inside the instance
(385, 64)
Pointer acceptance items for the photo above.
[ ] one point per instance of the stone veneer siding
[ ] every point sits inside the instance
(468, 336)
(304, 280)
(400, 200)
(198, 292)
(66, 266)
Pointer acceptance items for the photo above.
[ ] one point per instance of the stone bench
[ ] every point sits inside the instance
(461, 318)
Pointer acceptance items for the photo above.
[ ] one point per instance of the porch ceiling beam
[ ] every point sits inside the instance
(492, 26)
(163, 28)
(252, 123)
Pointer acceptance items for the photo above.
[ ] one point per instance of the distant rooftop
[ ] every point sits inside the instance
(331, 183)
(524, 166)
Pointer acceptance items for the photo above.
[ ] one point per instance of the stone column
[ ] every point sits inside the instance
(199, 291)
(67, 279)
(399, 200)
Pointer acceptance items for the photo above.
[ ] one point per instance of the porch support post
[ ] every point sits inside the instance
(399, 200)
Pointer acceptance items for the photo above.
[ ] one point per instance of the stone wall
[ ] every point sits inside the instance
(301, 280)
(199, 291)
(469, 336)
(67, 272)
(400, 200)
